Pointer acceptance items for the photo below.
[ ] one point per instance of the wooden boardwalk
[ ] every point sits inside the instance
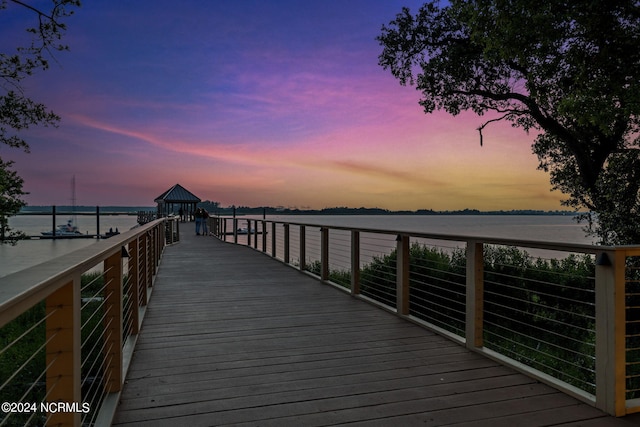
(233, 337)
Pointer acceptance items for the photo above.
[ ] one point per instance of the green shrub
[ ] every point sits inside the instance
(339, 277)
(537, 311)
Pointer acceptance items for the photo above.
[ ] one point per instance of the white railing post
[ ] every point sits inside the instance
(610, 332)
(475, 294)
(402, 274)
(355, 262)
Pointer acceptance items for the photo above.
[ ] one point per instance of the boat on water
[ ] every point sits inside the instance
(70, 229)
(67, 230)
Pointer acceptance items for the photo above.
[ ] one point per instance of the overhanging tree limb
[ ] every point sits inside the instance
(487, 122)
(578, 65)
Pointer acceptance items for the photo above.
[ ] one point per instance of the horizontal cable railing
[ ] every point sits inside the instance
(541, 312)
(437, 286)
(312, 243)
(68, 326)
(632, 327)
(567, 314)
(338, 263)
(378, 273)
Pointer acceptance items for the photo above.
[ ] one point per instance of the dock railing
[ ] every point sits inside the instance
(68, 328)
(566, 314)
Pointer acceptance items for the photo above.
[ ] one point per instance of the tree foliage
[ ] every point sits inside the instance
(568, 70)
(10, 201)
(17, 111)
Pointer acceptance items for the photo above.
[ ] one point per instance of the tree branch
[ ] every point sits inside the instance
(490, 121)
(39, 12)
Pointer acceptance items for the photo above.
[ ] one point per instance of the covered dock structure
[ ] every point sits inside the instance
(177, 199)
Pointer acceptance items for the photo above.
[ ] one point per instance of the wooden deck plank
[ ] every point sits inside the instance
(323, 387)
(244, 382)
(232, 337)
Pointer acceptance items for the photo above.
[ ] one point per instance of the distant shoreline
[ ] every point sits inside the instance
(244, 210)
(424, 213)
(85, 210)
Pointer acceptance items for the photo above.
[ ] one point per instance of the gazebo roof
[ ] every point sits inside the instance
(177, 194)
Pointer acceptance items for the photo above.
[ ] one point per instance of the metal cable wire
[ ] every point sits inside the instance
(551, 370)
(101, 367)
(91, 316)
(540, 282)
(25, 333)
(19, 369)
(91, 282)
(532, 303)
(30, 389)
(100, 327)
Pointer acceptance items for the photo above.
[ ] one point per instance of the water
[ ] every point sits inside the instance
(551, 228)
(28, 253)
(545, 228)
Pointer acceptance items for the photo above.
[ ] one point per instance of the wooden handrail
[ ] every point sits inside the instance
(23, 289)
(57, 282)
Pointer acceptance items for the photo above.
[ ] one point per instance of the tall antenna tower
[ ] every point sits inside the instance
(73, 200)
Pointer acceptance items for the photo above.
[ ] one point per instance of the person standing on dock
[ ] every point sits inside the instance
(205, 219)
(198, 218)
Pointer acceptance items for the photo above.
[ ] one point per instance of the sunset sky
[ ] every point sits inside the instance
(254, 103)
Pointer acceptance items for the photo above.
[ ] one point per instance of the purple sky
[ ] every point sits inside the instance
(255, 103)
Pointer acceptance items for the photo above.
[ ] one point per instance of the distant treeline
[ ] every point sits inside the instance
(214, 208)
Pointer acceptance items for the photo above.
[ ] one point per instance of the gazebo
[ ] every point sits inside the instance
(177, 199)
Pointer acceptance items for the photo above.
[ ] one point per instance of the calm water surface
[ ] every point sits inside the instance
(535, 227)
(543, 228)
(549, 228)
(28, 253)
